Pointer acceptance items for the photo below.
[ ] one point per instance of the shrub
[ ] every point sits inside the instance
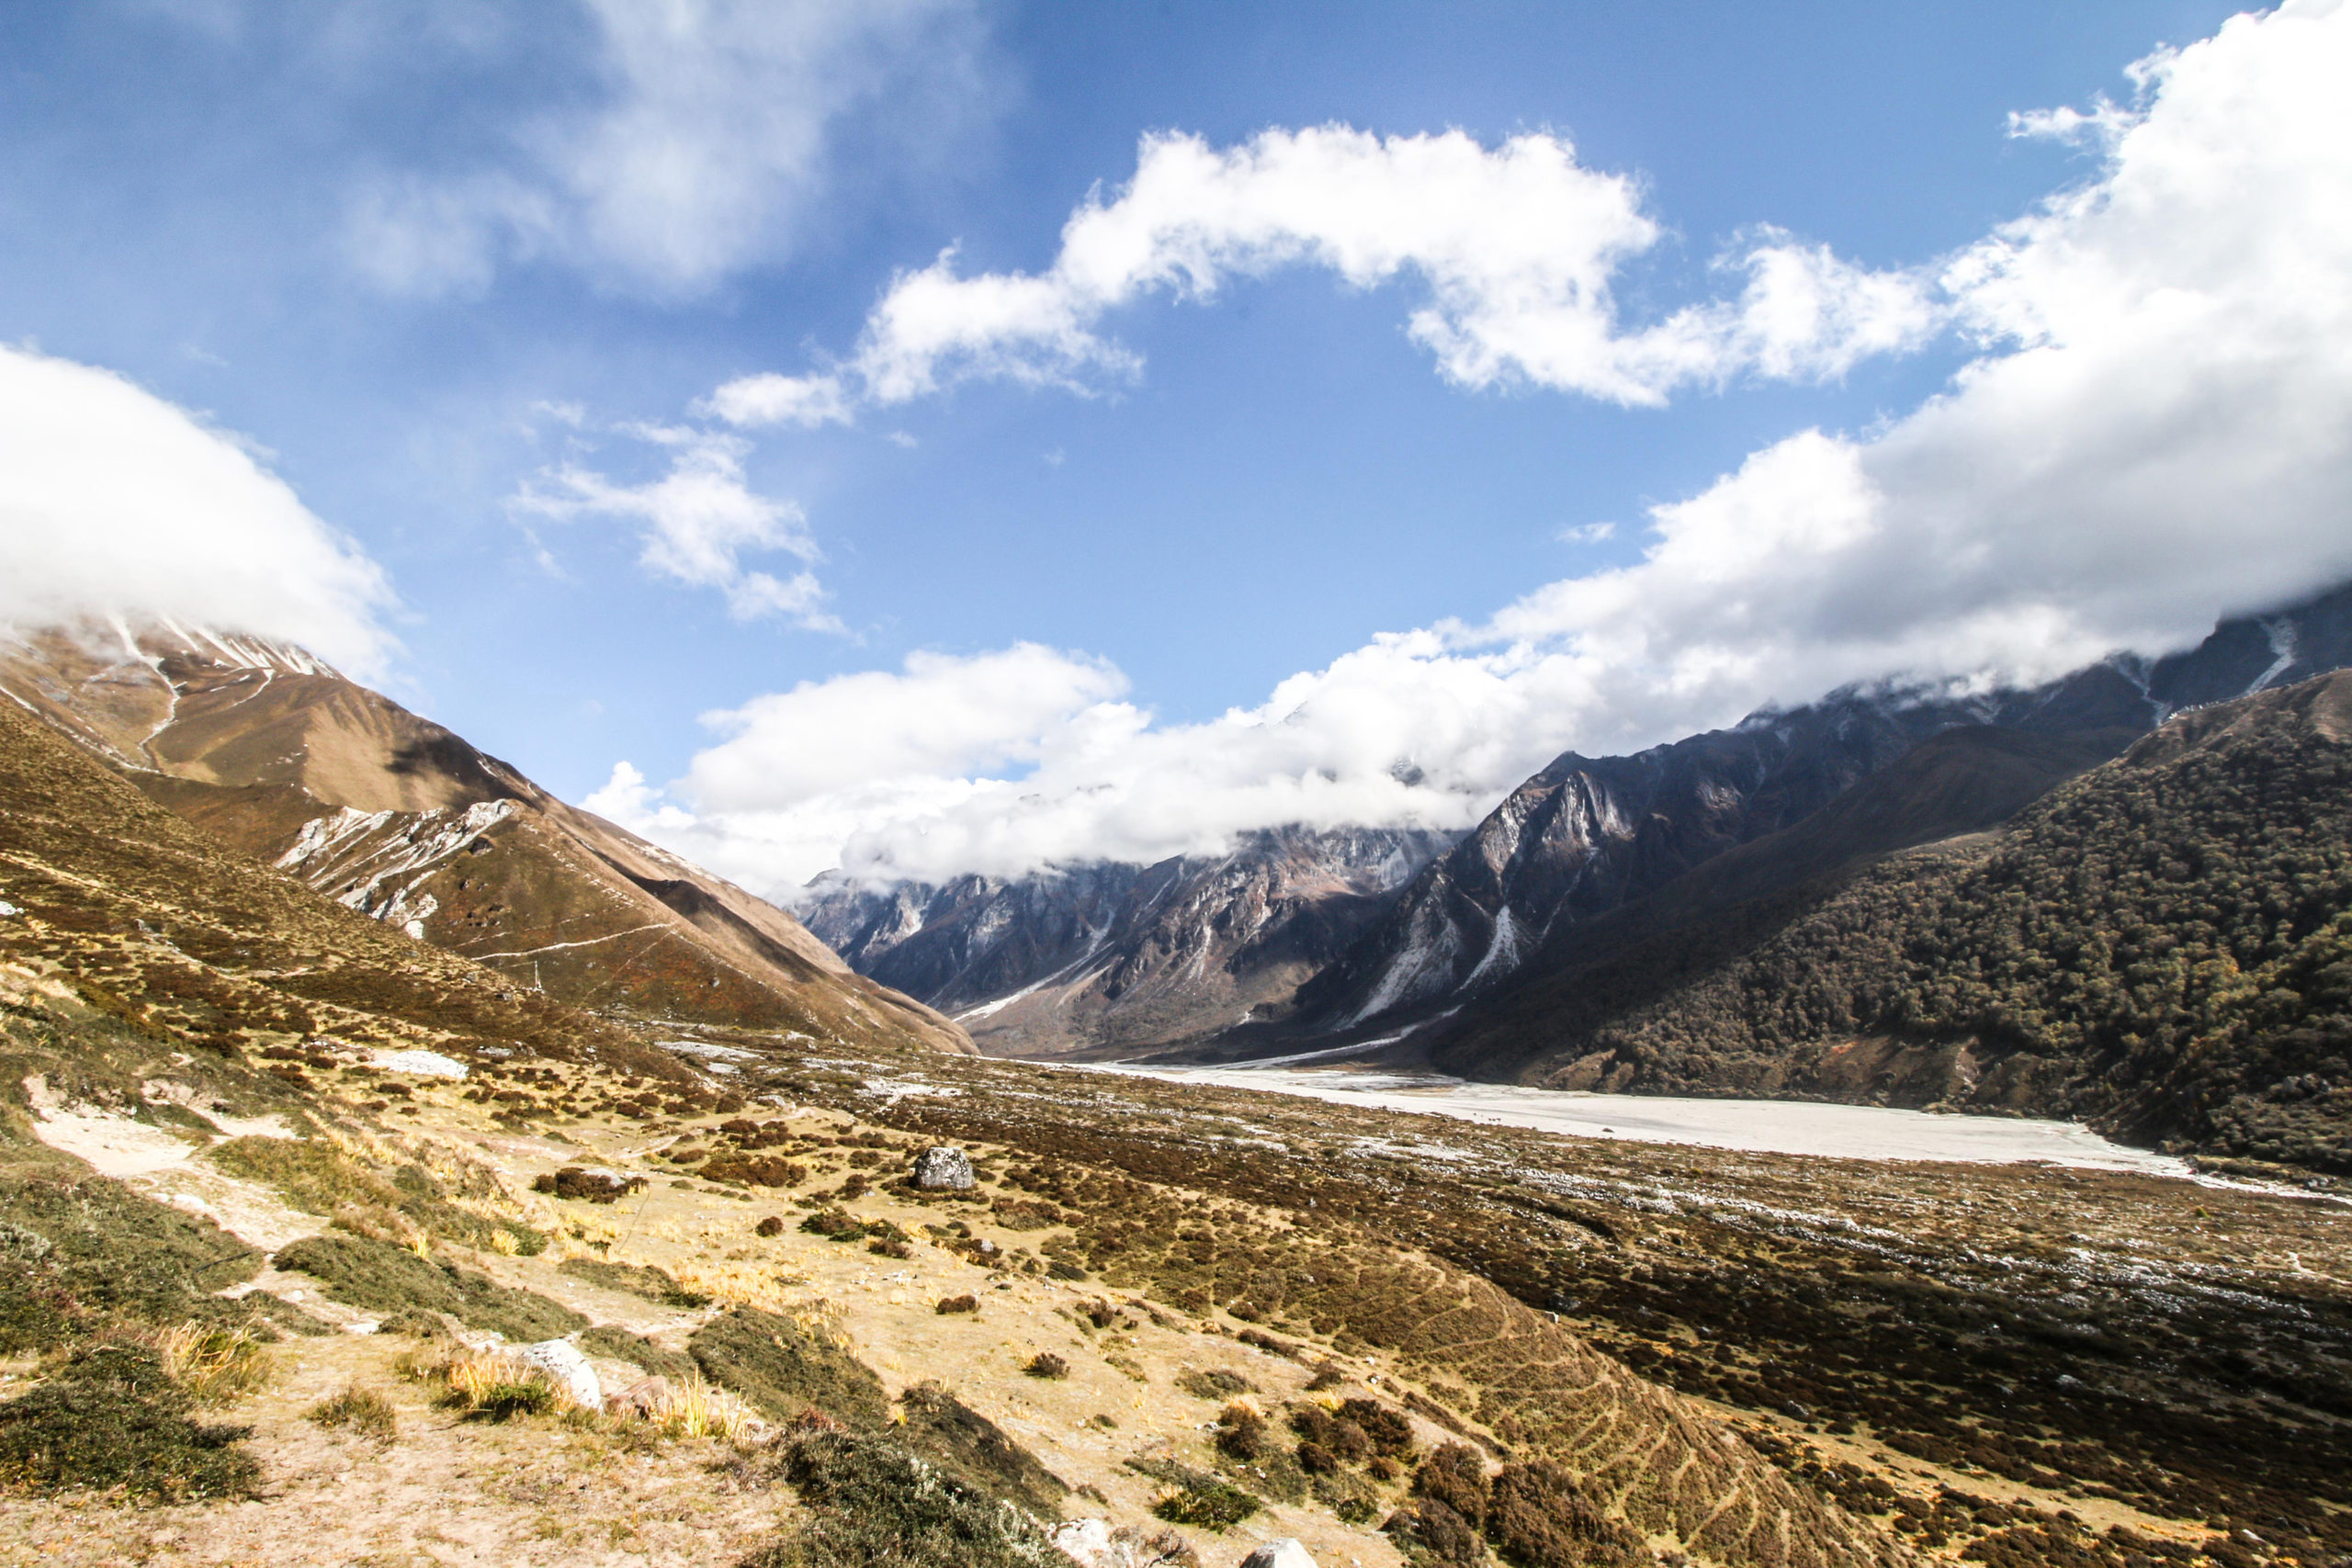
(1240, 1433)
(1455, 1476)
(884, 1246)
(1337, 1436)
(835, 1224)
(1207, 1505)
(785, 1370)
(363, 1410)
(375, 1276)
(771, 1225)
(1046, 1364)
(1538, 1518)
(587, 1186)
(1430, 1529)
(112, 1416)
(872, 1502)
(1214, 1382)
(756, 1170)
(1388, 1432)
(967, 1303)
(971, 1449)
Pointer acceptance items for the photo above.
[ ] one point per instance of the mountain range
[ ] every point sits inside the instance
(1473, 955)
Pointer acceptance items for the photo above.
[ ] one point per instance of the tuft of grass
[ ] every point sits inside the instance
(692, 1408)
(364, 1410)
(1046, 1364)
(485, 1385)
(214, 1363)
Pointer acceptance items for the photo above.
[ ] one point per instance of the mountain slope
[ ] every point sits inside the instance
(2162, 945)
(1113, 956)
(1585, 836)
(400, 819)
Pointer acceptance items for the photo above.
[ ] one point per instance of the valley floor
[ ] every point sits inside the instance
(2022, 1363)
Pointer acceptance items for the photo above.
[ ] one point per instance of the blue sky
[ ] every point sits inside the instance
(396, 249)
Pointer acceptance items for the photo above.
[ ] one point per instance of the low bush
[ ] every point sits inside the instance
(1240, 1433)
(835, 1224)
(771, 1225)
(872, 1502)
(586, 1186)
(1214, 1382)
(785, 1370)
(375, 1276)
(966, 1302)
(1388, 1432)
(1430, 1529)
(971, 1449)
(1207, 1505)
(1046, 1364)
(636, 1279)
(113, 1418)
(755, 1170)
(1454, 1475)
(1537, 1517)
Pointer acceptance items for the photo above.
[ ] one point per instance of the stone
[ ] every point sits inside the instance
(943, 1168)
(1090, 1544)
(568, 1370)
(1284, 1552)
(646, 1398)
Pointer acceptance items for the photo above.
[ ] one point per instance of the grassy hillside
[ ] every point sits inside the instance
(2163, 945)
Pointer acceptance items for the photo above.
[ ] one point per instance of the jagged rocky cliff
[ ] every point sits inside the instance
(1118, 957)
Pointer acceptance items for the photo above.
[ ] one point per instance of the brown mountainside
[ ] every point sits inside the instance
(396, 817)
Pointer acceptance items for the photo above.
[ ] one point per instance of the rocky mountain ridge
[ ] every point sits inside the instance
(1123, 959)
(393, 816)
(1116, 957)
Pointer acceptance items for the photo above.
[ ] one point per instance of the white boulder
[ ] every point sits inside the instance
(1285, 1553)
(944, 1167)
(568, 1370)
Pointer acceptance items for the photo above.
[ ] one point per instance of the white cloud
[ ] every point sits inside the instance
(2155, 431)
(696, 523)
(1516, 247)
(711, 132)
(804, 400)
(114, 501)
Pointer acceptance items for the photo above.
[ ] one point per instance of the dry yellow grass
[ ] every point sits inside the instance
(214, 1363)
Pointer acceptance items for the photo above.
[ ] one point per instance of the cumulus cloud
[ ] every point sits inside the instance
(696, 523)
(116, 502)
(1515, 248)
(2153, 432)
(710, 129)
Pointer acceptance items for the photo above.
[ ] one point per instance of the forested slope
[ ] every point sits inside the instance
(2162, 945)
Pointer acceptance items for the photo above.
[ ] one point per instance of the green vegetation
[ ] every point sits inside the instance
(375, 1276)
(968, 1447)
(1207, 1505)
(320, 1178)
(786, 1369)
(872, 1502)
(112, 1416)
(620, 1345)
(637, 1280)
(2163, 945)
